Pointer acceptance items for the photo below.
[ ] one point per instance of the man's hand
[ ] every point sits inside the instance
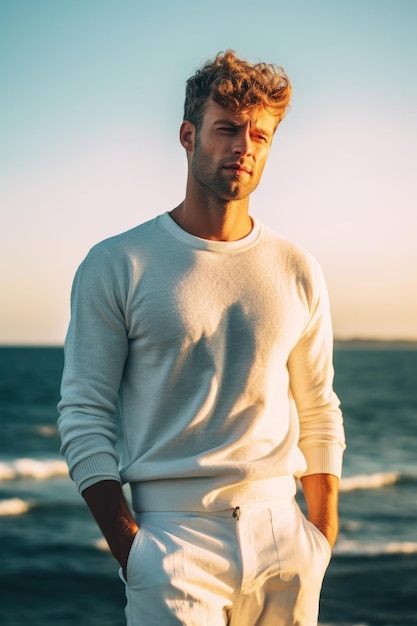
(321, 493)
(108, 505)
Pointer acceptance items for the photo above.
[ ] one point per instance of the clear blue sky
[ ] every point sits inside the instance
(92, 96)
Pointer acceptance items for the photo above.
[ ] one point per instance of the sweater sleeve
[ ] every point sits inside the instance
(322, 438)
(95, 352)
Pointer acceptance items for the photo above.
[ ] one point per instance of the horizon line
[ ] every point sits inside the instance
(337, 340)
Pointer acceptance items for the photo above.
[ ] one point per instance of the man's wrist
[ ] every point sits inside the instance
(330, 531)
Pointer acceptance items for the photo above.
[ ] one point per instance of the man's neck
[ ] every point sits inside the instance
(227, 222)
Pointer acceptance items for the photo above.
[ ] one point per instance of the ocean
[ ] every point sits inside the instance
(56, 570)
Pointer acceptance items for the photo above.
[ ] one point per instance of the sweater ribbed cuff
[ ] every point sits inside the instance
(324, 459)
(93, 469)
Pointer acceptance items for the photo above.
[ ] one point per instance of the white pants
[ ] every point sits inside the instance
(260, 566)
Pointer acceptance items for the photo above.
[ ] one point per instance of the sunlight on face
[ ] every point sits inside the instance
(230, 151)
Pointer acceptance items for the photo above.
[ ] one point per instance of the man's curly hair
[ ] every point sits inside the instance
(237, 85)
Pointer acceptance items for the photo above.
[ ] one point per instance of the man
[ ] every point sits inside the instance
(214, 336)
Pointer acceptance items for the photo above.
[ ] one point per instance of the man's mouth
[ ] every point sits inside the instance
(237, 168)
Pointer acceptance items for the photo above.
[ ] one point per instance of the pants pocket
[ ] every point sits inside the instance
(323, 541)
(135, 560)
(304, 552)
(317, 545)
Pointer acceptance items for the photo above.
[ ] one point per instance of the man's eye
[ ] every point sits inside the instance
(261, 138)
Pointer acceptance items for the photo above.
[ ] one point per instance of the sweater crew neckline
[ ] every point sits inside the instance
(226, 247)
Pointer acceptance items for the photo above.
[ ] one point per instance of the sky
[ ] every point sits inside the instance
(92, 99)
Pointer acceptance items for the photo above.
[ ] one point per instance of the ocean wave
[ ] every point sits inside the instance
(13, 506)
(357, 548)
(43, 469)
(370, 481)
(102, 545)
(32, 468)
(344, 547)
(47, 431)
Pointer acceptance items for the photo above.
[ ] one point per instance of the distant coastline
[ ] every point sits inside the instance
(351, 343)
(354, 343)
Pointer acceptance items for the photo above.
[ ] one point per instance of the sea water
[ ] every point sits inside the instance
(55, 568)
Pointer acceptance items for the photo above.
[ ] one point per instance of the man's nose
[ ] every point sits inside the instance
(243, 142)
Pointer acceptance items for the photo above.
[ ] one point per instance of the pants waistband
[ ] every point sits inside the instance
(195, 495)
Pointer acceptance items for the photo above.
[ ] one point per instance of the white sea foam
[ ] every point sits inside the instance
(33, 468)
(369, 481)
(7, 472)
(13, 506)
(47, 431)
(359, 548)
(101, 544)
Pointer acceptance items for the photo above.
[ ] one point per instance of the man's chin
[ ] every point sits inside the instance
(235, 192)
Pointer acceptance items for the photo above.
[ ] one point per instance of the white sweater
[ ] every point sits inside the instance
(219, 355)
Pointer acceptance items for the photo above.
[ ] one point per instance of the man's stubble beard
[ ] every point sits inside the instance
(224, 188)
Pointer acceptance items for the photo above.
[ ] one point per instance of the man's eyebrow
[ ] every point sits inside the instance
(237, 124)
(227, 121)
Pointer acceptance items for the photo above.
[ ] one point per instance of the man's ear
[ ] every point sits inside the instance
(187, 135)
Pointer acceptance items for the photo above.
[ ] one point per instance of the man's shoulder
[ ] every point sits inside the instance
(117, 253)
(142, 233)
(287, 249)
(297, 264)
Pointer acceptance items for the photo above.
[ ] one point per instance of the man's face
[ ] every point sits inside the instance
(230, 151)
